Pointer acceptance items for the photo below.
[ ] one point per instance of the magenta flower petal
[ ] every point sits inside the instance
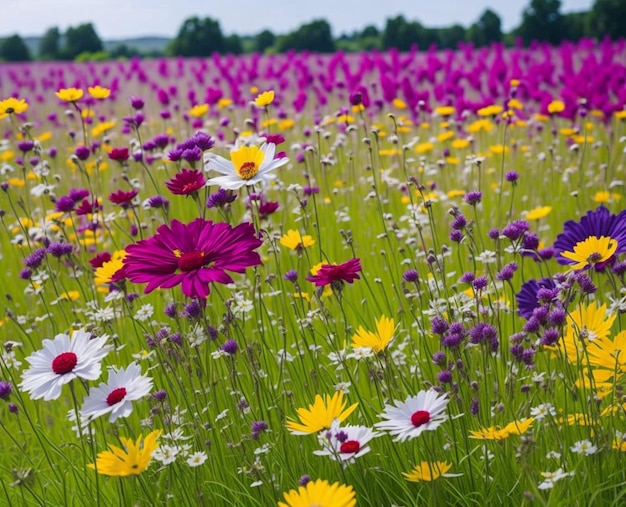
(192, 255)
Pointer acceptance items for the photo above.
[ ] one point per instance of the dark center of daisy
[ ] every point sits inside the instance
(116, 396)
(594, 257)
(191, 261)
(248, 170)
(64, 363)
(350, 446)
(420, 418)
(9, 110)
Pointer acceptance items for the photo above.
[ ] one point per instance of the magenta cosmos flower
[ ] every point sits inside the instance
(330, 273)
(192, 255)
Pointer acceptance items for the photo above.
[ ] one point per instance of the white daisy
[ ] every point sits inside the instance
(248, 165)
(408, 419)
(60, 361)
(345, 443)
(197, 459)
(117, 394)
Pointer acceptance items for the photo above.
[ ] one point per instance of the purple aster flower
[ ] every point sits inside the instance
(170, 310)
(203, 141)
(456, 236)
(158, 201)
(444, 376)
(511, 176)
(193, 255)
(596, 223)
(25, 146)
(192, 154)
(527, 299)
(439, 325)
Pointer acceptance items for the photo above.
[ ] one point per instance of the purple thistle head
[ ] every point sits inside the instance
(34, 260)
(515, 230)
(220, 198)
(65, 204)
(473, 197)
(410, 276)
(5, 390)
(229, 347)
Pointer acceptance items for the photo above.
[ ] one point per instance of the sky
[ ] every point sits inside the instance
(115, 19)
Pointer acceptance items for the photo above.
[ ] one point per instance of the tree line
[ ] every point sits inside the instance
(542, 20)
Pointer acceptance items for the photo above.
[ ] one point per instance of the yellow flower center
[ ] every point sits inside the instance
(247, 160)
(591, 251)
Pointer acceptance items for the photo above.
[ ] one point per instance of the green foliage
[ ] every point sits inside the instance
(50, 45)
(233, 45)
(486, 30)
(82, 39)
(98, 56)
(608, 17)
(264, 40)
(198, 37)
(315, 36)
(13, 49)
(542, 21)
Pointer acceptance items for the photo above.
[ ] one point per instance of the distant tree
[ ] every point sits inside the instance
(198, 37)
(542, 21)
(397, 34)
(13, 49)
(50, 45)
(314, 36)
(608, 17)
(233, 45)
(369, 31)
(577, 25)
(487, 29)
(449, 37)
(264, 40)
(124, 51)
(82, 39)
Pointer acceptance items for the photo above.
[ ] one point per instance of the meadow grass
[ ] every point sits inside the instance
(386, 187)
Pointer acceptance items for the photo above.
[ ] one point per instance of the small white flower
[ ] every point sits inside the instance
(584, 447)
(197, 459)
(166, 454)
(144, 313)
(542, 411)
(553, 477)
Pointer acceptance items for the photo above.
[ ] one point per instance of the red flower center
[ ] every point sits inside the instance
(116, 396)
(350, 446)
(191, 261)
(420, 417)
(248, 170)
(189, 188)
(64, 363)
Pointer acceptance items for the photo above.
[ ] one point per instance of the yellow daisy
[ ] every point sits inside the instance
(321, 414)
(132, 460)
(320, 494)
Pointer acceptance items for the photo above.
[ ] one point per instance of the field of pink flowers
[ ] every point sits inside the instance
(377, 279)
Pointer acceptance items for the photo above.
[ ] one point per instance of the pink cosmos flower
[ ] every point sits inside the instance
(329, 273)
(192, 255)
(186, 182)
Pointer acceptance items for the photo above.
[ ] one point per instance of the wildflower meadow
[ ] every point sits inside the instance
(376, 279)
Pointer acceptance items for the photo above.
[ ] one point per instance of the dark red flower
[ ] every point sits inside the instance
(123, 198)
(88, 207)
(186, 182)
(328, 274)
(119, 154)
